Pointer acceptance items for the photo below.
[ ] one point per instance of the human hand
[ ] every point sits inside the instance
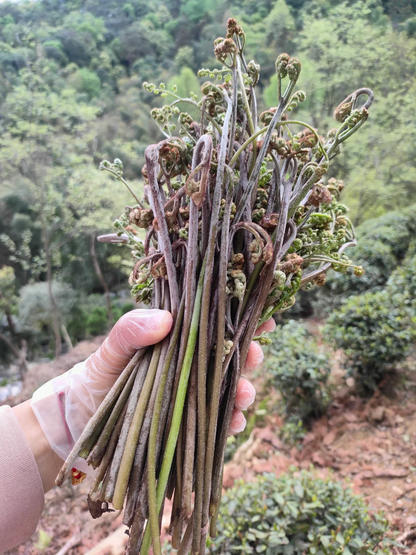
(146, 327)
(245, 391)
(64, 405)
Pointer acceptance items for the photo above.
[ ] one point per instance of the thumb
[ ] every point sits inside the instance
(136, 329)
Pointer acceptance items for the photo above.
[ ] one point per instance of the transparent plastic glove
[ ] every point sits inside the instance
(64, 405)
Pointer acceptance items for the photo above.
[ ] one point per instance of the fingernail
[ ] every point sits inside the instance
(166, 316)
(272, 324)
(154, 316)
(239, 423)
(150, 312)
(166, 320)
(258, 356)
(246, 395)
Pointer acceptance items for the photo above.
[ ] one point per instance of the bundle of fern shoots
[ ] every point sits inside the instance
(238, 218)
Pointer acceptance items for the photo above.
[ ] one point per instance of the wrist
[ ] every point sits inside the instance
(47, 460)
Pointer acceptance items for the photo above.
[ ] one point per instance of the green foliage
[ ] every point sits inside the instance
(10, 340)
(44, 150)
(376, 331)
(97, 321)
(53, 49)
(270, 92)
(280, 27)
(378, 262)
(87, 323)
(395, 230)
(297, 368)
(295, 514)
(382, 245)
(85, 81)
(353, 43)
(44, 157)
(44, 540)
(34, 307)
(184, 58)
(8, 306)
(195, 11)
(293, 431)
(34, 317)
(89, 316)
(7, 290)
(71, 95)
(185, 84)
(403, 283)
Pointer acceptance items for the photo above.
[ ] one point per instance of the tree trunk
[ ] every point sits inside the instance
(55, 317)
(10, 323)
(20, 354)
(102, 280)
(66, 337)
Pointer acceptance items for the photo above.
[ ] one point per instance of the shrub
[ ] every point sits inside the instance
(293, 431)
(298, 370)
(402, 282)
(375, 330)
(383, 243)
(378, 262)
(294, 514)
(53, 50)
(96, 322)
(395, 229)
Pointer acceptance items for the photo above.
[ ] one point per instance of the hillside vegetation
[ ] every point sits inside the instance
(71, 94)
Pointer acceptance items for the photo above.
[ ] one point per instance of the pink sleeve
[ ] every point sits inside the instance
(21, 490)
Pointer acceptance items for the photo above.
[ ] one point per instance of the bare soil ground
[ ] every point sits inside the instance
(370, 445)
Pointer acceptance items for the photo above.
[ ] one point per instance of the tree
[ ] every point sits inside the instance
(350, 46)
(71, 95)
(86, 81)
(92, 197)
(45, 148)
(8, 301)
(186, 82)
(280, 26)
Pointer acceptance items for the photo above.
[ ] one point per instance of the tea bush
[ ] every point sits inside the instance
(395, 229)
(378, 261)
(402, 283)
(375, 330)
(293, 431)
(383, 243)
(298, 370)
(294, 514)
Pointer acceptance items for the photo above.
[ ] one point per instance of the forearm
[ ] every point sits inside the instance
(47, 460)
(21, 489)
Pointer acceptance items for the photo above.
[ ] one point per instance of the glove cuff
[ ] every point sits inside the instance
(63, 407)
